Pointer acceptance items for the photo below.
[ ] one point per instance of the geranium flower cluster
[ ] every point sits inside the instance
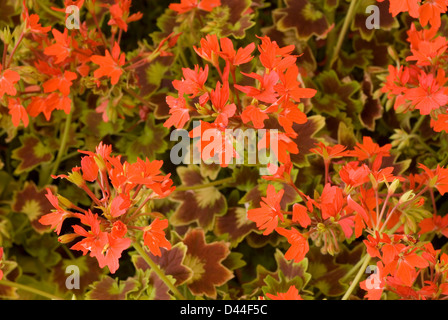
(64, 60)
(115, 218)
(420, 82)
(275, 95)
(362, 198)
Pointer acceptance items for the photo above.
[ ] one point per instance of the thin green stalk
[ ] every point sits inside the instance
(352, 270)
(348, 19)
(62, 146)
(55, 14)
(418, 124)
(29, 289)
(205, 185)
(154, 267)
(358, 276)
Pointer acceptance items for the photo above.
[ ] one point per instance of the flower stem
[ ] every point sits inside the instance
(63, 144)
(352, 270)
(14, 49)
(418, 124)
(139, 98)
(29, 289)
(358, 276)
(348, 19)
(157, 270)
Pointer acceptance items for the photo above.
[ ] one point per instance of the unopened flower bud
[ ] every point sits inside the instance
(66, 238)
(65, 202)
(393, 187)
(409, 195)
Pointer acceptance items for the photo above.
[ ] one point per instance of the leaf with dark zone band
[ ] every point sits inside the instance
(286, 273)
(149, 287)
(148, 143)
(230, 19)
(336, 96)
(385, 18)
(32, 153)
(171, 262)
(33, 202)
(245, 178)
(151, 75)
(327, 270)
(111, 289)
(306, 139)
(89, 271)
(201, 205)
(95, 126)
(303, 17)
(372, 110)
(235, 225)
(205, 260)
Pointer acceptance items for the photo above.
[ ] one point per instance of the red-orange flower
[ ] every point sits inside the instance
(430, 95)
(369, 149)
(441, 124)
(331, 201)
(438, 178)
(179, 112)
(330, 152)
(61, 82)
(154, 236)
(397, 6)
(120, 17)
(62, 48)
(209, 49)
(291, 294)
(300, 215)
(235, 58)
(265, 91)
(8, 79)
(268, 215)
(430, 11)
(254, 114)
(18, 112)
(354, 174)
(299, 244)
(110, 64)
(436, 224)
(57, 217)
(188, 5)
